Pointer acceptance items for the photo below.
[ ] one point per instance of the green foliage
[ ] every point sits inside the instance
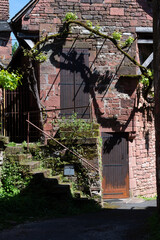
(89, 23)
(97, 27)
(148, 198)
(36, 152)
(10, 81)
(14, 47)
(117, 35)
(145, 78)
(73, 133)
(24, 144)
(11, 144)
(129, 41)
(35, 54)
(70, 16)
(14, 178)
(74, 125)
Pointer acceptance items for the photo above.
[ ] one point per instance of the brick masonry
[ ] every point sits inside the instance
(5, 41)
(4, 10)
(117, 108)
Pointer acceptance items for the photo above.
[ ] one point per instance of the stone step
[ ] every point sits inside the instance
(53, 187)
(14, 150)
(3, 142)
(51, 181)
(80, 201)
(58, 177)
(58, 189)
(31, 165)
(77, 194)
(45, 171)
(40, 178)
(23, 157)
(50, 186)
(19, 157)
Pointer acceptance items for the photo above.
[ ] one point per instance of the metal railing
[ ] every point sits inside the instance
(84, 161)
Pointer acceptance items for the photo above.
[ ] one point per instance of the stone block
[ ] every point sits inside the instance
(117, 11)
(133, 183)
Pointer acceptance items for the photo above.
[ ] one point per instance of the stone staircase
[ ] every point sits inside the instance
(41, 176)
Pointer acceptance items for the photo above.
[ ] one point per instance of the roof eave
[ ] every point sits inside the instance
(22, 12)
(4, 26)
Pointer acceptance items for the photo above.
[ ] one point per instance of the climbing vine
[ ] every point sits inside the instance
(10, 80)
(70, 19)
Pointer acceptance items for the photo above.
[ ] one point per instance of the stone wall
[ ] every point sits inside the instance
(142, 156)
(5, 49)
(124, 16)
(4, 9)
(114, 100)
(5, 42)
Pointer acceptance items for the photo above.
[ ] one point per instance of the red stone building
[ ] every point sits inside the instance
(90, 77)
(5, 43)
(5, 47)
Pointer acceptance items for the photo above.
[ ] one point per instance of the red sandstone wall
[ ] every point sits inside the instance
(118, 111)
(5, 42)
(6, 52)
(142, 157)
(4, 10)
(112, 15)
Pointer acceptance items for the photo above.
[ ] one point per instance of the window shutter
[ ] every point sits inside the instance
(73, 81)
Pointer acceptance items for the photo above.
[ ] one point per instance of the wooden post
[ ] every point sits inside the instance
(156, 45)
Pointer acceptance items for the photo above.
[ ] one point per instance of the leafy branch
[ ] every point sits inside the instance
(70, 20)
(10, 81)
(115, 38)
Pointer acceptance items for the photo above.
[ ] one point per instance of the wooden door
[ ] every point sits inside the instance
(74, 98)
(115, 182)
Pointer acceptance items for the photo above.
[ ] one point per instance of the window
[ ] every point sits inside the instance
(145, 46)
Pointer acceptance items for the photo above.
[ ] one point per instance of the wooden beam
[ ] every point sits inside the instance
(145, 41)
(144, 29)
(147, 62)
(4, 26)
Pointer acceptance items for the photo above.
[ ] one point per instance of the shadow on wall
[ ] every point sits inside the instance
(110, 142)
(93, 81)
(146, 5)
